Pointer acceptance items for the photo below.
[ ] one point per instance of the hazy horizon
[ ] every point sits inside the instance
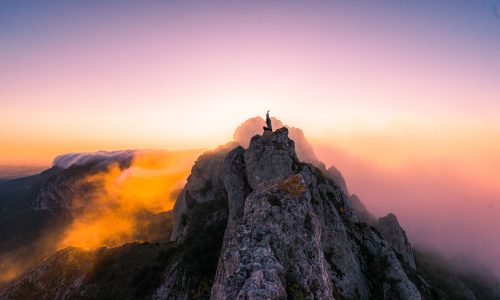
(431, 192)
(402, 97)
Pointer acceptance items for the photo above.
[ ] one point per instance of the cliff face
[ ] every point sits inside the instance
(205, 184)
(389, 228)
(253, 223)
(290, 230)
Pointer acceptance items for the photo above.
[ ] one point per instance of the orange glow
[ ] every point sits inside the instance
(150, 184)
(9, 272)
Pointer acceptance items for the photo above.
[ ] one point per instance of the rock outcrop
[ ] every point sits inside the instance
(361, 211)
(263, 259)
(363, 214)
(253, 126)
(204, 184)
(255, 223)
(392, 232)
(259, 220)
(334, 174)
(270, 156)
(291, 231)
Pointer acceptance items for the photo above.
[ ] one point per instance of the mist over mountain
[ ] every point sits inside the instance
(442, 206)
(103, 158)
(88, 200)
(258, 218)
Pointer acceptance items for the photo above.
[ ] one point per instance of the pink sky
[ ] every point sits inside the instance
(403, 97)
(447, 198)
(118, 76)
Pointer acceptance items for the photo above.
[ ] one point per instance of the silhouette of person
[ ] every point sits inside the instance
(268, 126)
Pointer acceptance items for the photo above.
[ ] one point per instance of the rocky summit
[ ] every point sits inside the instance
(291, 231)
(254, 223)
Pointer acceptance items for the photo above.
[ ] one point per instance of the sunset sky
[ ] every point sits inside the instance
(402, 96)
(91, 75)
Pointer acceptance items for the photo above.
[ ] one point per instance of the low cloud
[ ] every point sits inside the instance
(122, 196)
(103, 158)
(115, 214)
(442, 204)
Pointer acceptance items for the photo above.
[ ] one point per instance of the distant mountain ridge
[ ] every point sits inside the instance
(12, 171)
(256, 222)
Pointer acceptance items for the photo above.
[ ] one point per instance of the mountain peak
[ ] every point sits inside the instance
(260, 220)
(253, 127)
(270, 156)
(289, 230)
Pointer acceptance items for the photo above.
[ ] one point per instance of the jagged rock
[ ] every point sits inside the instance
(204, 184)
(335, 175)
(274, 252)
(237, 189)
(337, 217)
(236, 186)
(383, 268)
(250, 224)
(305, 152)
(277, 249)
(354, 251)
(202, 214)
(390, 229)
(363, 214)
(270, 156)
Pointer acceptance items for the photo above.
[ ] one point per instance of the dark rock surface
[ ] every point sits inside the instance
(130, 271)
(270, 156)
(204, 184)
(392, 232)
(334, 174)
(363, 214)
(251, 223)
(290, 230)
(299, 236)
(253, 126)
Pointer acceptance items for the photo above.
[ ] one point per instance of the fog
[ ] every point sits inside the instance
(448, 203)
(122, 197)
(442, 203)
(111, 215)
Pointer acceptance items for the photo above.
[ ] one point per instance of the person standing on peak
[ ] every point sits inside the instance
(268, 126)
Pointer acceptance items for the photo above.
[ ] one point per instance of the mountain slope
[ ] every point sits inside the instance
(252, 223)
(37, 211)
(288, 204)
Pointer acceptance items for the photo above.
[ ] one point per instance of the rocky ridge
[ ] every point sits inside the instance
(390, 229)
(255, 223)
(290, 230)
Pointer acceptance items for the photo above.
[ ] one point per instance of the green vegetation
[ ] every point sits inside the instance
(200, 255)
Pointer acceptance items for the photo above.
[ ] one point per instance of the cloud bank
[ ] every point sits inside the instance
(122, 157)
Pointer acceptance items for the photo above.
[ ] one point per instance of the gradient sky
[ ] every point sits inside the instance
(403, 96)
(89, 75)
